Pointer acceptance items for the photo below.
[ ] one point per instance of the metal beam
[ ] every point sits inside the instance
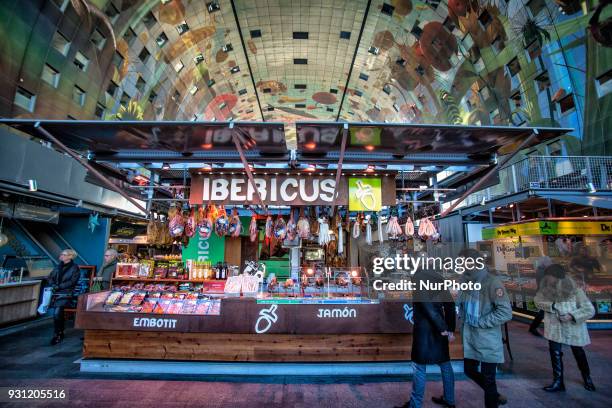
(109, 184)
(247, 59)
(490, 174)
(340, 160)
(348, 79)
(247, 169)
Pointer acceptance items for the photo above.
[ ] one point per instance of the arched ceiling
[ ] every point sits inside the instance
(428, 61)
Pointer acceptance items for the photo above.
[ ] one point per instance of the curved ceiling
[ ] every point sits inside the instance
(461, 62)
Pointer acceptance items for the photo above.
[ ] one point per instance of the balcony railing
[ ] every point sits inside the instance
(574, 173)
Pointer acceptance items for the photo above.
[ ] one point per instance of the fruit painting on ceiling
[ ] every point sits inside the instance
(221, 107)
(438, 45)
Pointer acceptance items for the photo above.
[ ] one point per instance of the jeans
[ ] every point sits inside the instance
(485, 378)
(420, 377)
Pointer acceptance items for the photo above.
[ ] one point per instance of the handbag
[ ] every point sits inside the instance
(46, 300)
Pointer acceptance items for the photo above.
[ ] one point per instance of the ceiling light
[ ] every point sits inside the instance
(370, 168)
(310, 145)
(511, 205)
(213, 6)
(311, 167)
(591, 187)
(369, 148)
(165, 166)
(33, 185)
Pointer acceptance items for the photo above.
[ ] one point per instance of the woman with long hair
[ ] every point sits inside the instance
(566, 309)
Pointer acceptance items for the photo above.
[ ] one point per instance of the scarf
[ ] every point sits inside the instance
(471, 298)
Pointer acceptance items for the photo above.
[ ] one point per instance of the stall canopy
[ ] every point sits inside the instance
(167, 141)
(269, 142)
(415, 143)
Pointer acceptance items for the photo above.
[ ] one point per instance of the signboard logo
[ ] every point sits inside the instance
(365, 194)
(267, 317)
(408, 313)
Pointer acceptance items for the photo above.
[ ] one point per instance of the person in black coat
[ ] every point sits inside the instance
(63, 280)
(434, 318)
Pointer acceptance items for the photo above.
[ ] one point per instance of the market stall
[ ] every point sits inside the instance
(582, 244)
(269, 235)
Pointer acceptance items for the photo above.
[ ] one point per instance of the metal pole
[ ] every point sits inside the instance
(246, 165)
(340, 160)
(109, 184)
(487, 176)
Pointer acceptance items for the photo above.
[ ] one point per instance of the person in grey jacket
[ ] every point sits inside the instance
(105, 274)
(483, 312)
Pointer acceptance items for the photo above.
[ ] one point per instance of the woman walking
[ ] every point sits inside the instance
(566, 309)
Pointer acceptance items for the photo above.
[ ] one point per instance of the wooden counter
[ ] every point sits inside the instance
(250, 331)
(18, 301)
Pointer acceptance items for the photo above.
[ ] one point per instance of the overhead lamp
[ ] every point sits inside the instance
(370, 168)
(369, 148)
(483, 201)
(33, 185)
(310, 145)
(511, 205)
(213, 6)
(311, 167)
(591, 187)
(207, 167)
(165, 166)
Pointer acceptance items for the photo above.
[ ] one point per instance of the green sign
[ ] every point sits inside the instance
(365, 194)
(211, 249)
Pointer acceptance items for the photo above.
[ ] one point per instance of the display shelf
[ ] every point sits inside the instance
(166, 280)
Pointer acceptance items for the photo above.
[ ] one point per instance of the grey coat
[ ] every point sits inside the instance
(484, 342)
(106, 273)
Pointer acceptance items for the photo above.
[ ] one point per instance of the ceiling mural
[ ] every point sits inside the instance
(479, 62)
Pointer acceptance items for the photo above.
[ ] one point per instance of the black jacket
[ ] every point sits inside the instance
(433, 314)
(65, 278)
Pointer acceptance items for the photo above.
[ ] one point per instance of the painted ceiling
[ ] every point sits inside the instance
(455, 62)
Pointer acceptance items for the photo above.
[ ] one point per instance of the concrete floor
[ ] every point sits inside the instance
(26, 360)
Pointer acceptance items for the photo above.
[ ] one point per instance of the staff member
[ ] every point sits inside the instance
(483, 313)
(63, 280)
(109, 266)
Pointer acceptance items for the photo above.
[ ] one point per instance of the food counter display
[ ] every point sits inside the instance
(583, 245)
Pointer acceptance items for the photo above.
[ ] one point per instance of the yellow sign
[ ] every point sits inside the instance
(365, 194)
(549, 228)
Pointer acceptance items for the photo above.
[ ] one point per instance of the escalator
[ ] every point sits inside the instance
(46, 238)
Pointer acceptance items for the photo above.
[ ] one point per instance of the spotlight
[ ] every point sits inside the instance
(591, 188)
(165, 166)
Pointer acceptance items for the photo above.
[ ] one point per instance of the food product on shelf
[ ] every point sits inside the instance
(222, 223)
(113, 297)
(280, 228)
(409, 227)
(148, 305)
(235, 226)
(125, 299)
(233, 285)
(393, 228)
(161, 270)
(253, 232)
(303, 226)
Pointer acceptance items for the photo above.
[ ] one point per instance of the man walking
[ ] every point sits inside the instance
(483, 313)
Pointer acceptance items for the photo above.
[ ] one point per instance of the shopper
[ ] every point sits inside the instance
(434, 323)
(483, 313)
(63, 280)
(105, 274)
(566, 310)
(540, 264)
(583, 264)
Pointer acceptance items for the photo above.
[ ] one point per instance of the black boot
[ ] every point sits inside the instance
(583, 365)
(556, 358)
(57, 338)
